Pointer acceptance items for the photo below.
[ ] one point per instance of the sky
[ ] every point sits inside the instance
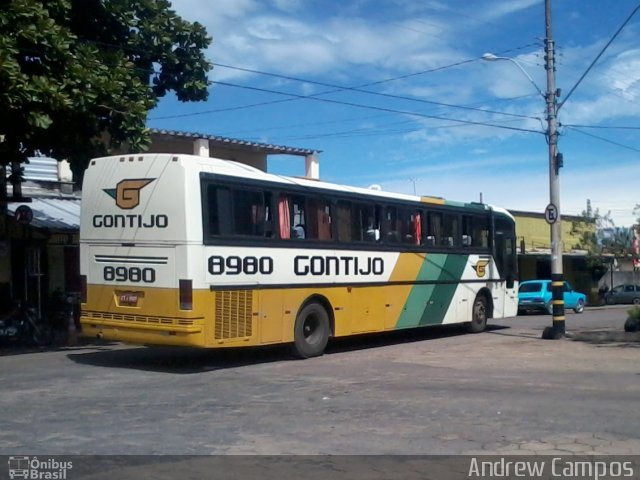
(395, 93)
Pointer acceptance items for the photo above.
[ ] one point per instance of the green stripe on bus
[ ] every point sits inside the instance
(428, 304)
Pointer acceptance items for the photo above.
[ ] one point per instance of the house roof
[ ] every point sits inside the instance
(52, 213)
(227, 142)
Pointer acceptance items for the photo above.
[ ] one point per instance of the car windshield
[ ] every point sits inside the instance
(530, 287)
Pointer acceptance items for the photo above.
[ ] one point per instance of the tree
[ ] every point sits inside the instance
(78, 77)
(588, 230)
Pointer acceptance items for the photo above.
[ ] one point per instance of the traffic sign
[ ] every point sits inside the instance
(551, 214)
(23, 215)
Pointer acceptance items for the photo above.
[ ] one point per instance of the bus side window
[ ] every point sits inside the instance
(319, 219)
(434, 229)
(218, 211)
(298, 224)
(392, 226)
(475, 231)
(451, 230)
(251, 212)
(344, 222)
(284, 216)
(411, 227)
(368, 223)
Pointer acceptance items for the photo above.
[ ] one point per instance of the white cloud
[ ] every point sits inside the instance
(499, 8)
(464, 181)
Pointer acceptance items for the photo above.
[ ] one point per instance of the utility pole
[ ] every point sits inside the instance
(552, 212)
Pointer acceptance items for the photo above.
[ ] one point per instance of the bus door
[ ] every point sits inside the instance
(506, 261)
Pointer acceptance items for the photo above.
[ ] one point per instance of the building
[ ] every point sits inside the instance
(534, 244)
(39, 249)
(39, 242)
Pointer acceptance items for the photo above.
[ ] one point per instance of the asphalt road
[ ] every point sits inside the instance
(434, 391)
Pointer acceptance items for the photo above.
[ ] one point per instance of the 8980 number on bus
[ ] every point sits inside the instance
(234, 265)
(129, 274)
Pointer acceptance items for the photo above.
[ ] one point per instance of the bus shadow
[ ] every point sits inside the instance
(183, 360)
(180, 359)
(397, 337)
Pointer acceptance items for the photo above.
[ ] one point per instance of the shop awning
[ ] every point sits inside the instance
(51, 213)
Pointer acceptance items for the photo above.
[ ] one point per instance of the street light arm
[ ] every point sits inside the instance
(490, 57)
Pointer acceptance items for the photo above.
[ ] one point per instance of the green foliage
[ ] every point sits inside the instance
(78, 77)
(634, 313)
(586, 232)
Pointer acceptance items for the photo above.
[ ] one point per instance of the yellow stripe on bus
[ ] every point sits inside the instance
(434, 200)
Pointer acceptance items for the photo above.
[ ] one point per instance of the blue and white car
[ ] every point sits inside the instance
(536, 295)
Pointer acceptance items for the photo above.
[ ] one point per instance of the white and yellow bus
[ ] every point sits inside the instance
(197, 251)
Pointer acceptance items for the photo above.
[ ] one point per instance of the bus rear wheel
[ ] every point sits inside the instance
(478, 316)
(311, 331)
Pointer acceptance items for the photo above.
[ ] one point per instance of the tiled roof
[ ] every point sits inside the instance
(234, 142)
(52, 213)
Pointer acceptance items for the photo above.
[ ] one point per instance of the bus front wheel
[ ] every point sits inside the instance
(479, 315)
(311, 331)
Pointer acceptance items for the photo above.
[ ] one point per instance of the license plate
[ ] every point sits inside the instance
(128, 299)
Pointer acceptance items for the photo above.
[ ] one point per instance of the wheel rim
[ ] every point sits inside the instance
(311, 329)
(636, 301)
(479, 312)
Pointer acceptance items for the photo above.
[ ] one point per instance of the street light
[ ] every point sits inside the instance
(490, 57)
(414, 180)
(552, 212)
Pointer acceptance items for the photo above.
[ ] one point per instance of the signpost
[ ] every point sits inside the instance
(551, 214)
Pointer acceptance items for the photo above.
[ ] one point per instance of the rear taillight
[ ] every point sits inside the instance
(83, 288)
(186, 295)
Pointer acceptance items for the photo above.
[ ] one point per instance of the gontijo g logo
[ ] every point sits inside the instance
(481, 268)
(127, 192)
(127, 196)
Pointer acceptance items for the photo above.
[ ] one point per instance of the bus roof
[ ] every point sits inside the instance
(236, 169)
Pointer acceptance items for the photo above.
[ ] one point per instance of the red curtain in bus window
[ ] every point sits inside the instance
(417, 224)
(284, 218)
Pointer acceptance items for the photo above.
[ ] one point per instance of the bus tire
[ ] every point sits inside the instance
(478, 315)
(311, 331)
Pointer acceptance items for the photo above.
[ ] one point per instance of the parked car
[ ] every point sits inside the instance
(536, 295)
(623, 294)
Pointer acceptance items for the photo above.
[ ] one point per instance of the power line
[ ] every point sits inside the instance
(613, 127)
(604, 139)
(624, 24)
(335, 88)
(372, 107)
(369, 92)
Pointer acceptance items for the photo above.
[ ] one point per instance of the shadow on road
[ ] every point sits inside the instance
(189, 360)
(609, 338)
